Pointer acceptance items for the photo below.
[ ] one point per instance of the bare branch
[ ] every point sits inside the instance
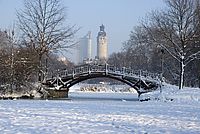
(42, 24)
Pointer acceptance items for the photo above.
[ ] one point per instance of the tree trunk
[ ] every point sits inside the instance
(39, 69)
(182, 71)
(199, 81)
(198, 72)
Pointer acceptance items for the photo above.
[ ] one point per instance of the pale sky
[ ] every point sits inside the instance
(118, 16)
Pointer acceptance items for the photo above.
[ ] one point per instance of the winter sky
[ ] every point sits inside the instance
(118, 16)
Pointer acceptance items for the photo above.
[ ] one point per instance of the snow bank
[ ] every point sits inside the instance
(27, 91)
(173, 93)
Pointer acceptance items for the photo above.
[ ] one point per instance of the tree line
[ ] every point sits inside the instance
(28, 53)
(167, 42)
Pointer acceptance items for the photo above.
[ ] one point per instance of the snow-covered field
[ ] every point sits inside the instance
(100, 113)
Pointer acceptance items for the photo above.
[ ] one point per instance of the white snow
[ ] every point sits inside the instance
(102, 88)
(171, 92)
(105, 113)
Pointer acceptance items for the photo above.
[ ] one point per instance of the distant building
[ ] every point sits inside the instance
(84, 49)
(102, 46)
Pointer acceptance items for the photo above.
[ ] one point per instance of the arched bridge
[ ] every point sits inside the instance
(141, 81)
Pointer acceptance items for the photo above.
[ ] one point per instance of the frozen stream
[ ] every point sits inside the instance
(111, 113)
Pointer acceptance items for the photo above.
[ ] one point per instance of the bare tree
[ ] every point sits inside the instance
(42, 23)
(138, 49)
(176, 31)
(117, 59)
(4, 57)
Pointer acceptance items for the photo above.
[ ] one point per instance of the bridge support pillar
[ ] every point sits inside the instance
(62, 93)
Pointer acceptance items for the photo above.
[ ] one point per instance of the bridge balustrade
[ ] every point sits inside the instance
(111, 69)
(97, 68)
(63, 73)
(128, 71)
(87, 69)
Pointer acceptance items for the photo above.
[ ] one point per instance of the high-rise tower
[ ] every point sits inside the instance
(85, 48)
(102, 46)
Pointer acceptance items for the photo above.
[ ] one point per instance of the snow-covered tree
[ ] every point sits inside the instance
(176, 30)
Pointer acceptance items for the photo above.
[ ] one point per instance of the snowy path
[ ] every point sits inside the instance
(79, 116)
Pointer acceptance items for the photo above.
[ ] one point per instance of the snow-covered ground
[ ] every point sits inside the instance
(105, 113)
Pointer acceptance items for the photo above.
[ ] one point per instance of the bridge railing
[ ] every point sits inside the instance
(97, 68)
(131, 72)
(81, 70)
(85, 69)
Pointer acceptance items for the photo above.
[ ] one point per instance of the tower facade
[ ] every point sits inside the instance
(102, 46)
(85, 48)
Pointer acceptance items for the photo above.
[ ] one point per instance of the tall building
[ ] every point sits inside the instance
(102, 46)
(85, 48)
